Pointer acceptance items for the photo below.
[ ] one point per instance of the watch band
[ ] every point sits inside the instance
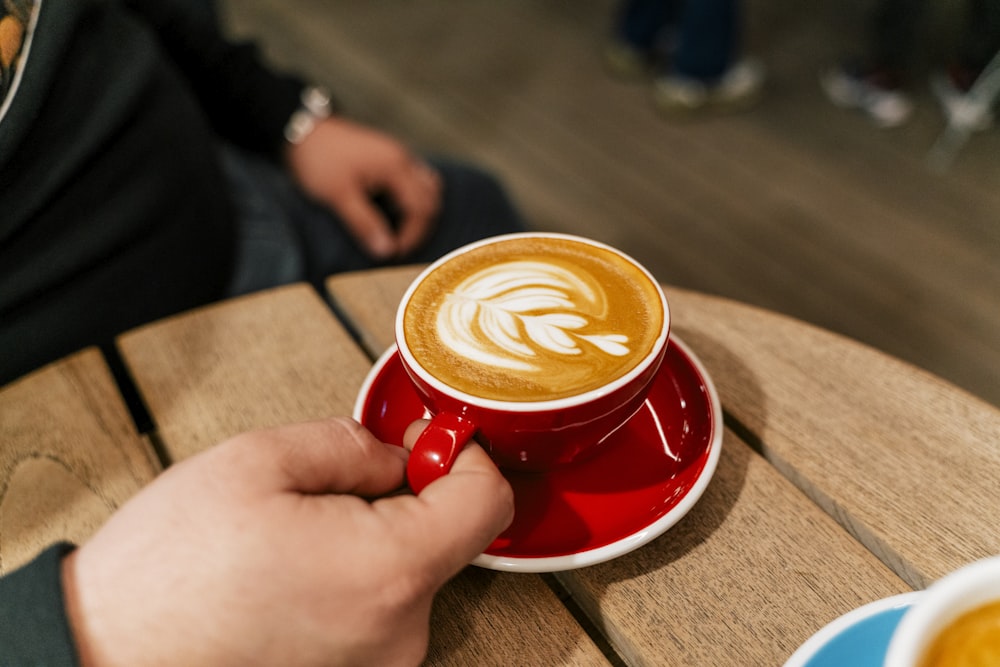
(315, 107)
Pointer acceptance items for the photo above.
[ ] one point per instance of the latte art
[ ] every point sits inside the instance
(532, 318)
(507, 315)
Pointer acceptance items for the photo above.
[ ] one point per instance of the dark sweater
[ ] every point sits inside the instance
(113, 206)
(34, 630)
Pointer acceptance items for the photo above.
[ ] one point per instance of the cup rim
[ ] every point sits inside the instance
(411, 363)
(962, 590)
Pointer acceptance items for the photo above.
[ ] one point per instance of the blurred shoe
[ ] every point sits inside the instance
(874, 91)
(625, 61)
(962, 109)
(738, 88)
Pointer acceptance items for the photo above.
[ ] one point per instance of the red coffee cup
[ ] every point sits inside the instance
(535, 432)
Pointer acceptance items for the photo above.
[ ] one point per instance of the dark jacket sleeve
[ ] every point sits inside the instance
(246, 101)
(34, 629)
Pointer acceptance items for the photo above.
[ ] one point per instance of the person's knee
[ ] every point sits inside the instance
(471, 190)
(468, 178)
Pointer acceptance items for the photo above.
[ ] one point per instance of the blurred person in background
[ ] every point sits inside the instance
(149, 165)
(879, 82)
(693, 48)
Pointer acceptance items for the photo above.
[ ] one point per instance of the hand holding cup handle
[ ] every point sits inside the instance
(436, 449)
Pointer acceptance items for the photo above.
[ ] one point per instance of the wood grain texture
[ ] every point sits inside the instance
(795, 206)
(491, 618)
(907, 462)
(257, 361)
(70, 456)
(281, 356)
(370, 300)
(748, 575)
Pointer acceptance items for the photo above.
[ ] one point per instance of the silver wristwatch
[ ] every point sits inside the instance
(315, 107)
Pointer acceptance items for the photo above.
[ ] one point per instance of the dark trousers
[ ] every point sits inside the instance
(284, 237)
(705, 33)
(896, 25)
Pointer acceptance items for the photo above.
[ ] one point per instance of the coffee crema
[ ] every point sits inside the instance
(971, 640)
(532, 319)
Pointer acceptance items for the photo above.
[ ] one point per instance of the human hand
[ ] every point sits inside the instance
(281, 547)
(343, 164)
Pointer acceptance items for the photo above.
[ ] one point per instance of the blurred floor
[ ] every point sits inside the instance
(794, 206)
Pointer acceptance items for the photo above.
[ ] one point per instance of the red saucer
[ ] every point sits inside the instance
(640, 483)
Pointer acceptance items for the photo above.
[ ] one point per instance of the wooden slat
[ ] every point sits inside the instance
(490, 618)
(748, 575)
(261, 360)
(907, 462)
(280, 356)
(69, 456)
(370, 300)
(784, 567)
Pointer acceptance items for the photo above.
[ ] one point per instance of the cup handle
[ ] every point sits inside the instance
(436, 449)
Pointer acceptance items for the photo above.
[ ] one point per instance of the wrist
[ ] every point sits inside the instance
(74, 615)
(315, 107)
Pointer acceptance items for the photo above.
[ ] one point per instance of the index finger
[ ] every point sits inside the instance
(418, 194)
(367, 225)
(329, 456)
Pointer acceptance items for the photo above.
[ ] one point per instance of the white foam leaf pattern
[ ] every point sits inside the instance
(613, 344)
(563, 320)
(507, 314)
(550, 336)
(506, 332)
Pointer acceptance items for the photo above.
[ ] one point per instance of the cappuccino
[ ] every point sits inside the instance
(971, 640)
(533, 318)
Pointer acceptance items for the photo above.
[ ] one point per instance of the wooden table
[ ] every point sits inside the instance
(846, 475)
